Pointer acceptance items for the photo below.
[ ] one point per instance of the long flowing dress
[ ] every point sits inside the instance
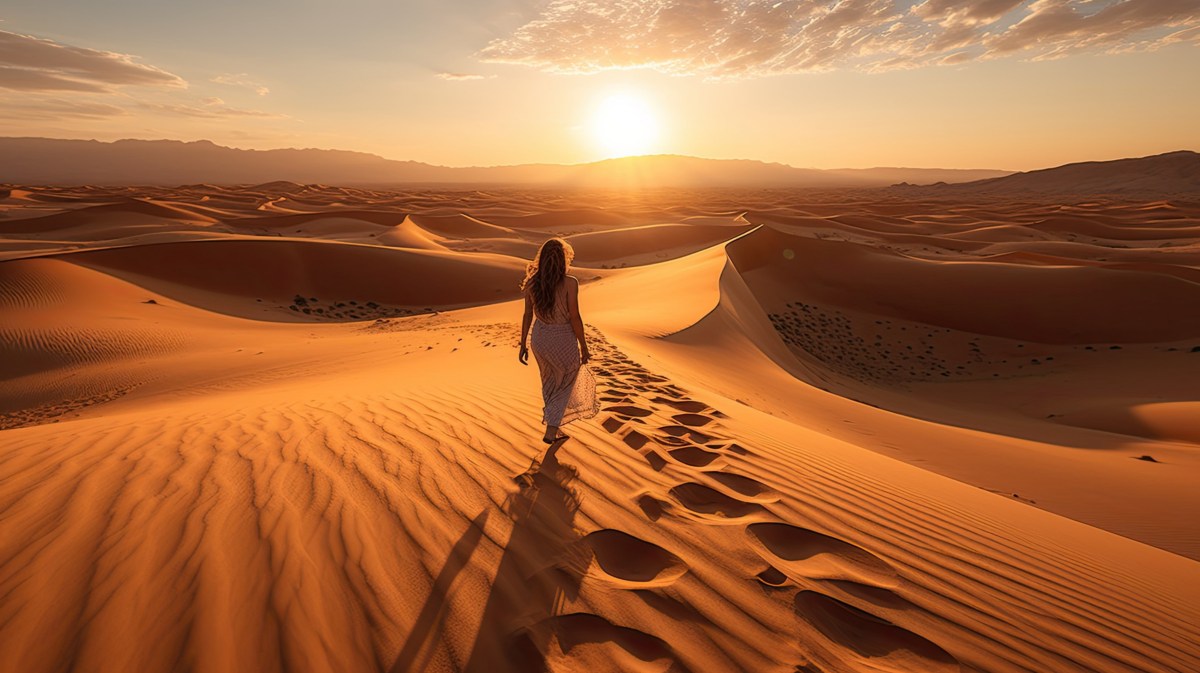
(568, 388)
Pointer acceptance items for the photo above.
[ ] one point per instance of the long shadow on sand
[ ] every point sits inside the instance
(415, 654)
(534, 578)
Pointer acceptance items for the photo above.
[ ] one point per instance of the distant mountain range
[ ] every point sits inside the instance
(46, 161)
(1170, 174)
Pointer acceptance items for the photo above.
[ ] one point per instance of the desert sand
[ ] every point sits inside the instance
(283, 427)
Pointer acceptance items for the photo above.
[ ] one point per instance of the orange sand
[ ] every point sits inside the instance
(284, 428)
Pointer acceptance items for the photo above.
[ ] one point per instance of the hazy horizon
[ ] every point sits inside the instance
(550, 163)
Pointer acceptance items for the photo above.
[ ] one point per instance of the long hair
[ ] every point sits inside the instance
(546, 271)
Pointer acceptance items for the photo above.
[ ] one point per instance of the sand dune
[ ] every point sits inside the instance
(205, 273)
(1016, 301)
(649, 243)
(842, 432)
(1175, 173)
(131, 211)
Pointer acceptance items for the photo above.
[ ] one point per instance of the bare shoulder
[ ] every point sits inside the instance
(572, 283)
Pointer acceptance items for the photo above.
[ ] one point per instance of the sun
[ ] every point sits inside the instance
(624, 125)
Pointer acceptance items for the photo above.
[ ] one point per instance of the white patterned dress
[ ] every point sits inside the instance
(568, 388)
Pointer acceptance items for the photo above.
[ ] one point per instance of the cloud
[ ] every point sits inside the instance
(243, 80)
(458, 76)
(1187, 35)
(29, 63)
(55, 109)
(209, 108)
(1069, 25)
(956, 12)
(752, 38)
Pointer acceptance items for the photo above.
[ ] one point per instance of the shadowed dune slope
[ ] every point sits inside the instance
(57, 313)
(1070, 304)
(460, 227)
(649, 243)
(279, 270)
(125, 211)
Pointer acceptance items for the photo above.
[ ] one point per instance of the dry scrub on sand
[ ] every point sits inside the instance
(283, 428)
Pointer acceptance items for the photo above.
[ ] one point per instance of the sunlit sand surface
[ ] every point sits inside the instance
(284, 427)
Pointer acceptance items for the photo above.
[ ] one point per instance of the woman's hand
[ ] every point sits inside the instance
(584, 354)
(523, 355)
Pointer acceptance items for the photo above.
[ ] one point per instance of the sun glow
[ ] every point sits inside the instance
(624, 125)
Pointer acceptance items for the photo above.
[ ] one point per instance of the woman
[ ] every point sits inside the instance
(568, 388)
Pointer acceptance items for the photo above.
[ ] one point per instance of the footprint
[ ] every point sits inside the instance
(626, 561)
(655, 459)
(692, 420)
(739, 449)
(858, 640)
(691, 406)
(651, 506)
(649, 378)
(679, 431)
(732, 447)
(694, 456)
(751, 488)
(612, 424)
(701, 499)
(813, 555)
(635, 440)
(772, 577)
(585, 639)
(629, 410)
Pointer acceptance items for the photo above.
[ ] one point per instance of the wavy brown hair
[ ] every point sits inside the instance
(546, 271)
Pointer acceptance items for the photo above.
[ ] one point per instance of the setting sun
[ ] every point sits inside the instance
(624, 125)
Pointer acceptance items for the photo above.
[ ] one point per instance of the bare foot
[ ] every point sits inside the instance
(558, 436)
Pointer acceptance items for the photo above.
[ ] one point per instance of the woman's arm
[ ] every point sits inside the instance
(526, 320)
(576, 320)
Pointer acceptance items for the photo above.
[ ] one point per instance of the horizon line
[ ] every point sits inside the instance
(531, 163)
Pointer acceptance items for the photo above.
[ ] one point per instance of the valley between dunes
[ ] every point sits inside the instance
(283, 428)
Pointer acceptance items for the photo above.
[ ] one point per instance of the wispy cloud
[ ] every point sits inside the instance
(209, 108)
(458, 76)
(1059, 26)
(243, 80)
(29, 63)
(751, 38)
(34, 108)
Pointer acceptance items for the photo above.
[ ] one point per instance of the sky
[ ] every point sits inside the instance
(1006, 84)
